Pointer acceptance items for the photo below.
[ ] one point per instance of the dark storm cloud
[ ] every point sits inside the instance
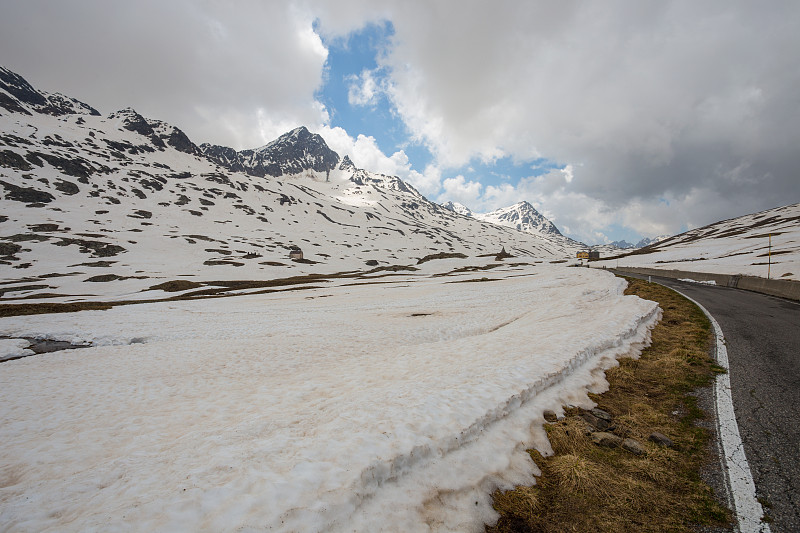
(219, 70)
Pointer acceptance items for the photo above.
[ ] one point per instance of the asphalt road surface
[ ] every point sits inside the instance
(762, 335)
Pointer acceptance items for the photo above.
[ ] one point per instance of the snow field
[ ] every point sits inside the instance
(389, 406)
(14, 348)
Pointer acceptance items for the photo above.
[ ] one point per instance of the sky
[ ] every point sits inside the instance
(616, 120)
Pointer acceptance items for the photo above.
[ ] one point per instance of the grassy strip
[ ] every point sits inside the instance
(586, 487)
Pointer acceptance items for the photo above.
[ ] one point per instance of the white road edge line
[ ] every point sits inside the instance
(747, 508)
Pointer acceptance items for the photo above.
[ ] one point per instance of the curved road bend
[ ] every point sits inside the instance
(762, 335)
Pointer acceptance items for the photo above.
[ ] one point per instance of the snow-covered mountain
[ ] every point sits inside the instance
(291, 153)
(616, 248)
(623, 244)
(456, 207)
(96, 207)
(735, 246)
(647, 242)
(521, 216)
(17, 95)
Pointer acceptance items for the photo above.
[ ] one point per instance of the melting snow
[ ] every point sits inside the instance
(709, 282)
(390, 406)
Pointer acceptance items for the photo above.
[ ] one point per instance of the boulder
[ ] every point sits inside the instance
(633, 446)
(597, 423)
(609, 440)
(661, 439)
(603, 415)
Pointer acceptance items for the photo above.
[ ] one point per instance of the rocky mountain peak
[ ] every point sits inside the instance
(523, 217)
(16, 94)
(347, 164)
(292, 153)
(133, 121)
(458, 208)
(16, 86)
(173, 137)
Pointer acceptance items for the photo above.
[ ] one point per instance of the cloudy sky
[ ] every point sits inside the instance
(615, 119)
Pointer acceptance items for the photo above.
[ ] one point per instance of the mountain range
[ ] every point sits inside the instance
(95, 207)
(625, 245)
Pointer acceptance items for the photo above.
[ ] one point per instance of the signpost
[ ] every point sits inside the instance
(769, 256)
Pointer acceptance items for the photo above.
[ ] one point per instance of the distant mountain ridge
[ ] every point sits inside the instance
(625, 245)
(521, 216)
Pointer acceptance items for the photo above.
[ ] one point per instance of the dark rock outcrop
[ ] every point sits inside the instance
(133, 121)
(25, 194)
(174, 137)
(292, 153)
(223, 156)
(16, 93)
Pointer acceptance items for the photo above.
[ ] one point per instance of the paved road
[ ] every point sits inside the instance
(762, 336)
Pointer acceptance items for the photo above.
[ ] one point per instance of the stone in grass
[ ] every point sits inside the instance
(550, 416)
(603, 415)
(660, 438)
(633, 446)
(608, 440)
(597, 423)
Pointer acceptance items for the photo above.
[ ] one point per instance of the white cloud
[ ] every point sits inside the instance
(365, 153)
(210, 69)
(651, 100)
(458, 189)
(363, 90)
(568, 173)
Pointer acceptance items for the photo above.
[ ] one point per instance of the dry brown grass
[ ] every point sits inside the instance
(584, 487)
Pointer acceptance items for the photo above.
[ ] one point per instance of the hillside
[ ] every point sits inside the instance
(736, 246)
(97, 207)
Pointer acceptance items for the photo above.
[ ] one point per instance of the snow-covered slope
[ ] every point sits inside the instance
(736, 246)
(398, 404)
(100, 207)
